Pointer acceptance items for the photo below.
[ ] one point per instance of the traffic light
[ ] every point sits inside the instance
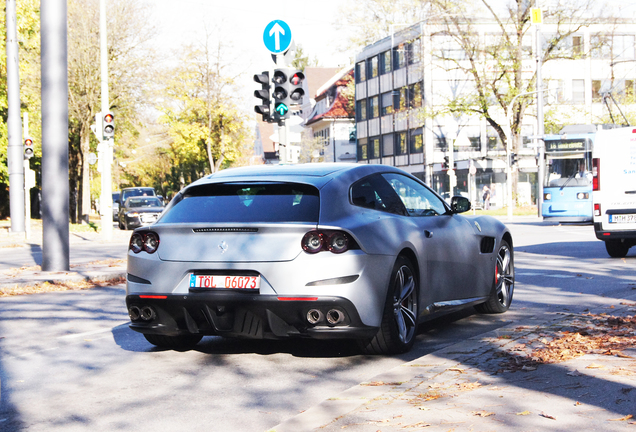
(282, 87)
(513, 159)
(296, 92)
(445, 163)
(264, 108)
(108, 125)
(28, 148)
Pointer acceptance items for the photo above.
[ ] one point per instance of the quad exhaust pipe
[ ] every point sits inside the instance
(333, 317)
(144, 313)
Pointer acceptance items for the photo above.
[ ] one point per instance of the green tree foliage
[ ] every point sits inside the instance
(206, 128)
(28, 28)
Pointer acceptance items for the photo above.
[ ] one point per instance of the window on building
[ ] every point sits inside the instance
(614, 47)
(362, 149)
(401, 144)
(387, 145)
(599, 87)
(414, 52)
(417, 141)
(415, 95)
(440, 138)
(361, 74)
(494, 140)
(446, 47)
(322, 137)
(473, 133)
(578, 91)
(623, 47)
(400, 99)
(399, 56)
(387, 103)
(554, 95)
(385, 62)
(577, 45)
(372, 67)
(374, 148)
(374, 107)
(569, 46)
(498, 47)
(361, 110)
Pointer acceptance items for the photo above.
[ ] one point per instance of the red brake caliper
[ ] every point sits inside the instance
(496, 274)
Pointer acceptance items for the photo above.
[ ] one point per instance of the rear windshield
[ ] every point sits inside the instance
(252, 202)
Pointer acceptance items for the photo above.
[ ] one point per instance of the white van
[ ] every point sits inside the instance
(614, 189)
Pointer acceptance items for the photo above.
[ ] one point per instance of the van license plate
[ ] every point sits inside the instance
(627, 218)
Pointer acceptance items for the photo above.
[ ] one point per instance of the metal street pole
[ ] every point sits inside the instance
(27, 186)
(106, 197)
(55, 188)
(540, 125)
(15, 151)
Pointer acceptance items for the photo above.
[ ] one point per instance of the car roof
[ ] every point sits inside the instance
(317, 174)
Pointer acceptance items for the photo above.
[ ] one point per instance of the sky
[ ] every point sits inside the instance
(240, 25)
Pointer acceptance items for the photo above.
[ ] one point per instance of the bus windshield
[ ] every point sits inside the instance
(567, 172)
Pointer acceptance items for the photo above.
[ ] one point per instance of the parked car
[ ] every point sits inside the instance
(116, 206)
(139, 211)
(363, 252)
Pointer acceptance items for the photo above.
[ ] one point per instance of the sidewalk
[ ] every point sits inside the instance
(83, 272)
(528, 376)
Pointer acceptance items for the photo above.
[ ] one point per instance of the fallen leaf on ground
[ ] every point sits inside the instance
(627, 417)
(417, 425)
(455, 369)
(524, 413)
(594, 366)
(483, 413)
(547, 416)
(575, 373)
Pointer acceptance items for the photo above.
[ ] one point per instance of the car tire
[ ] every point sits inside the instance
(503, 283)
(173, 342)
(398, 329)
(616, 248)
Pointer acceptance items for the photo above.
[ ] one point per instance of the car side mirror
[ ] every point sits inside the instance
(460, 204)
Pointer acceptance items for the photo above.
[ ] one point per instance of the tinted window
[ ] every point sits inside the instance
(417, 198)
(375, 193)
(138, 202)
(245, 202)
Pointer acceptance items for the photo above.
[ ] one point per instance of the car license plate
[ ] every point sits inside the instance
(148, 218)
(626, 218)
(232, 282)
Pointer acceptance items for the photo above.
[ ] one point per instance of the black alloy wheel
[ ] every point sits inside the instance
(504, 282)
(399, 322)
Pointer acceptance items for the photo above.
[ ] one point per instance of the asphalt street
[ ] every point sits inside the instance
(68, 360)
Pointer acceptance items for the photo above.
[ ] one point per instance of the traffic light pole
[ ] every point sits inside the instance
(106, 154)
(15, 153)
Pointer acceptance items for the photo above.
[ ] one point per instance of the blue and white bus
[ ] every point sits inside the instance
(567, 186)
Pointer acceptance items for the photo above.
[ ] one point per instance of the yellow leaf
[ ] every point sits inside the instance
(627, 417)
(524, 413)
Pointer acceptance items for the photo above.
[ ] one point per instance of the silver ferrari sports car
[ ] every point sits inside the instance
(364, 252)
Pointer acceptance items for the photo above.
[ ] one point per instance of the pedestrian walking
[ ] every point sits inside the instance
(486, 197)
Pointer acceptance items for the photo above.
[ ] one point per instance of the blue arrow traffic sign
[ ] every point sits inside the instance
(277, 36)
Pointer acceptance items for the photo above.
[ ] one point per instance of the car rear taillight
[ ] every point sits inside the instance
(147, 241)
(596, 174)
(597, 209)
(334, 241)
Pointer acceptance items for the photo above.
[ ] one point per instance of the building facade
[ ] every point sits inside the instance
(402, 79)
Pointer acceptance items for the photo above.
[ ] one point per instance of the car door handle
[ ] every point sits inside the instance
(428, 234)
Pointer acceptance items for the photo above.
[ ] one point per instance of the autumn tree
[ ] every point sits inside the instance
(371, 20)
(129, 66)
(200, 111)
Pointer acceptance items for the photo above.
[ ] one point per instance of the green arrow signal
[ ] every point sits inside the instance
(282, 109)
